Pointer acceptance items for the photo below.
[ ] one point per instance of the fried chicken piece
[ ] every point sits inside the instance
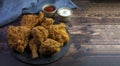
(46, 22)
(40, 16)
(58, 32)
(33, 48)
(49, 47)
(40, 34)
(29, 20)
(18, 37)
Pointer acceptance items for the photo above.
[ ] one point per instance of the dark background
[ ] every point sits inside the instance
(94, 28)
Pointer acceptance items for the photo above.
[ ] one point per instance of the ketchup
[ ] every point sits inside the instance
(49, 8)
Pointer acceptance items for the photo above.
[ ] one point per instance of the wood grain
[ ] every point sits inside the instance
(95, 41)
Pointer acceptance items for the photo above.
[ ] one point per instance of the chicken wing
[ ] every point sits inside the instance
(33, 48)
(18, 37)
(40, 16)
(46, 22)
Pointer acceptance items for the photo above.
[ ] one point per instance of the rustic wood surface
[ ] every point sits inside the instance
(94, 29)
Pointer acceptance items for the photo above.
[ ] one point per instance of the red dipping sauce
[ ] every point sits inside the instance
(49, 8)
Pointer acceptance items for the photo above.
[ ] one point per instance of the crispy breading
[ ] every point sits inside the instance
(18, 37)
(58, 32)
(40, 34)
(46, 22)
(40, 16)
(49, 47)
(29, 20)
(33, 48)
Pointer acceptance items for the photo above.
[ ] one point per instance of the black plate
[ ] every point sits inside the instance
(26, 56)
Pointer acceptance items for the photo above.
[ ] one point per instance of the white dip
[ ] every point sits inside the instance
(64, 12)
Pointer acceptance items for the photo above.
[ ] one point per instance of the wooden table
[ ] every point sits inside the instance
(95, 37)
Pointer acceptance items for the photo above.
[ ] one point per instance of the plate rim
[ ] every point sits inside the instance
(56, 59)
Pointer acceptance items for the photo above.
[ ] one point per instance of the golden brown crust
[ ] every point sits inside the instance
(40, 34)
(40, 16)
(49, 47)
(46, 22)
(33, 48)
(29, 20)
(46, 38)
(18, 37)
(58, 33)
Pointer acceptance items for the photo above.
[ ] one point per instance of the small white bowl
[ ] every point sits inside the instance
(51, 13)
(64, 13)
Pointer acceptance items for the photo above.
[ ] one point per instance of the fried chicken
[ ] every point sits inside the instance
(18, 37)
(58, 33)
(40, 34)
(49, 47)
(33, 48)
(29, 20)
(40, 16)
(46, 22)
